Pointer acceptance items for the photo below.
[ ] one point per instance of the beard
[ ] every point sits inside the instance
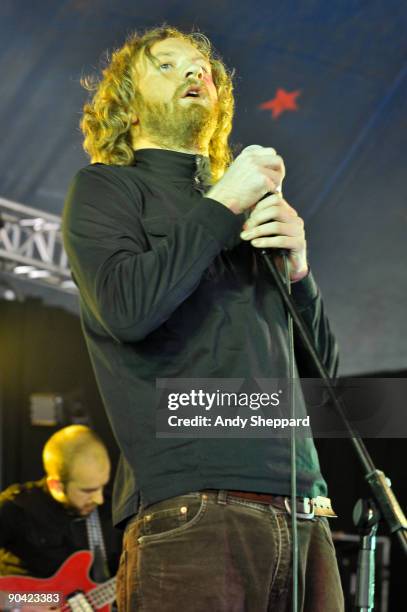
(172, 125)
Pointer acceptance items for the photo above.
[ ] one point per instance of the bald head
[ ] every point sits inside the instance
(72, 445)
(77, 466)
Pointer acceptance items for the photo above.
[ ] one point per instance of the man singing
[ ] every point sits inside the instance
(161, 232)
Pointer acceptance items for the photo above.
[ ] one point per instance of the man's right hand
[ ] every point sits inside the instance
(255, 172)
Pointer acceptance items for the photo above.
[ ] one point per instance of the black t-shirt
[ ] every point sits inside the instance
(42, 533)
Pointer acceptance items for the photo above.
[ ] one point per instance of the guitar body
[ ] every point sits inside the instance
(72, 576)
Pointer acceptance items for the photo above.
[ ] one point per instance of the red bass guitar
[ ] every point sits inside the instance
(72, 580)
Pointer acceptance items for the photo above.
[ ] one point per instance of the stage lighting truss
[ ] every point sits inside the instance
(31, 246)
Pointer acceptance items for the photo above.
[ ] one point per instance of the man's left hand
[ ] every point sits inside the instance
(273, 223)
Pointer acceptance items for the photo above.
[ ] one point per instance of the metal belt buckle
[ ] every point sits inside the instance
(305, 515)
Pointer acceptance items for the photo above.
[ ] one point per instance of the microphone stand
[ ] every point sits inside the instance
(366, 518)
(379, 484)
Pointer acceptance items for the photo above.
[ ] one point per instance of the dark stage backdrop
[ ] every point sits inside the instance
(42, 350)
(346, 485)
(322, 82)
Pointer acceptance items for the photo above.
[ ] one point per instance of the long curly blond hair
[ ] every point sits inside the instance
(107, 119)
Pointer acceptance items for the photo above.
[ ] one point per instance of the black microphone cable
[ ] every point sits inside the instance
(284, 284)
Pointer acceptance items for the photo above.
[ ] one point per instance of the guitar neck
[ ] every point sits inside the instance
(102, 594)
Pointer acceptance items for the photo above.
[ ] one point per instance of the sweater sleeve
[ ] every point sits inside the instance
(10, 526)
(308, 298)
(6, 523)
(130, 287)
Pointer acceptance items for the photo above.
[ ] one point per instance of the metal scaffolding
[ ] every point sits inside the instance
(31, 246)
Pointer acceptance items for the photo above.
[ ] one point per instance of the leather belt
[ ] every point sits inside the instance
(306, 507)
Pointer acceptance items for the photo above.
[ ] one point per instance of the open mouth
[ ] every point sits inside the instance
(193, 92)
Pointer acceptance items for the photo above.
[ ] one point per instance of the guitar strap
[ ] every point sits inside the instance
(100, 570)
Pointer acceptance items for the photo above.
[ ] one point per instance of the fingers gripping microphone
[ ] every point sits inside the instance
(281, 252)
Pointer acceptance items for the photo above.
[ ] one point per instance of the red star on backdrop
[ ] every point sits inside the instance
(282, 101)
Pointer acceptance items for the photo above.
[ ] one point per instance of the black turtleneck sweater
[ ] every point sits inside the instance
(168, 290)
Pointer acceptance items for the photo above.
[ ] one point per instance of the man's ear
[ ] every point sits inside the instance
(55, 485)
